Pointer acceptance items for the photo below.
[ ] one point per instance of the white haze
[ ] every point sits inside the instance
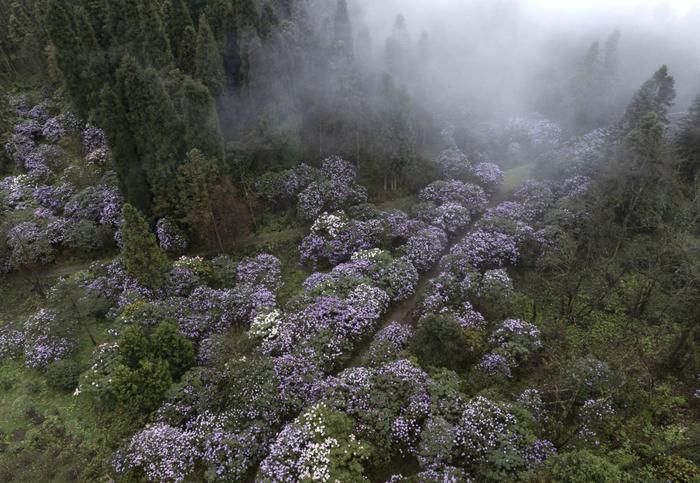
(504, 56)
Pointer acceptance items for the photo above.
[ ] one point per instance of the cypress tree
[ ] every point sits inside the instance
(245, 15)
(208, 63)
(197, 178)
(688, 142)
(61, 31)
(132, 177)
(157, 131)
(202, 130)
(656, 95)
(125, 28)
(188, 51)
(156, 45)
(143, 258)
(177, 20)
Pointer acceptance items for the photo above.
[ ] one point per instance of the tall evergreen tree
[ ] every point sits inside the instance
(188, 51)
(132, 176)
(156, 45)
(79, 58)
(656, 95)
(177, 20)
(125, 28)
(157, 131)
(202, 130)
(197, 180)
(688, 142)
(143, 258)
(208, 62)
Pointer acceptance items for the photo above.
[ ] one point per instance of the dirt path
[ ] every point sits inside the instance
(405, 311)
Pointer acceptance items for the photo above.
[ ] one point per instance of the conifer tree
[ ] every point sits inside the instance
(656, 95)
(208, 63)
(132, 177)
(177, 20)
(156, 129)
(188, 51)
(143, 258)
(688, 142)
(201, 120)
(156, 45)
(59, 26)
(197, 179)
(125, 28)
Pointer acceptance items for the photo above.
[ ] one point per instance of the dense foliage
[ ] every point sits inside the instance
(184, 299)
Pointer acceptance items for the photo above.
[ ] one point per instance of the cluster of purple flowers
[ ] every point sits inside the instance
(454, 164)
(425, 246)
(469, 195)
(534, 132)
(335, 237)
(265, 270)
(488, 175)
(162, 452)
(387, 344)
(45, 339)
(336, 189)
(512, 342)
(170, 237)
(329, 327)
(485, 249)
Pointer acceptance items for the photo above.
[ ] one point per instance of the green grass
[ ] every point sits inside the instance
(516, 176)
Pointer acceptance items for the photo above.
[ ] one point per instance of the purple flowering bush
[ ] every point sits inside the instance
(265, 270)
(489, 176)
(171, 238)
(160, 452)
(468, 195)
(46, 339)
(487, 249)
(336, 189)
(453, 163)
(424, 247)
(335, 237)
(320, 445)
(387, 344)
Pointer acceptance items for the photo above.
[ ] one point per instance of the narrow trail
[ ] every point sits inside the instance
(404, 312)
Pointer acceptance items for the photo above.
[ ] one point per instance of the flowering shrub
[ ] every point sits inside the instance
(334, 191)
(335, 237)
(513, 341)
(495, 285)
(489, 176)
(485, 431)
(46, 339)
(53, 197)
(536, 196)
(468, 195)
(265, 326)
(387, 344)
(29, 245)
(265, 270)
(424, 247)
(162, 452)
(454, 164)
(170, 237)
(487, 249)
(535, 132)
(319, 446)
(451, 217)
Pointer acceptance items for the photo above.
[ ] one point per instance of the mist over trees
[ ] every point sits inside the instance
(350, 240)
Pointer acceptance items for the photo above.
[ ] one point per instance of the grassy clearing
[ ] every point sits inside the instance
(515, 177)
